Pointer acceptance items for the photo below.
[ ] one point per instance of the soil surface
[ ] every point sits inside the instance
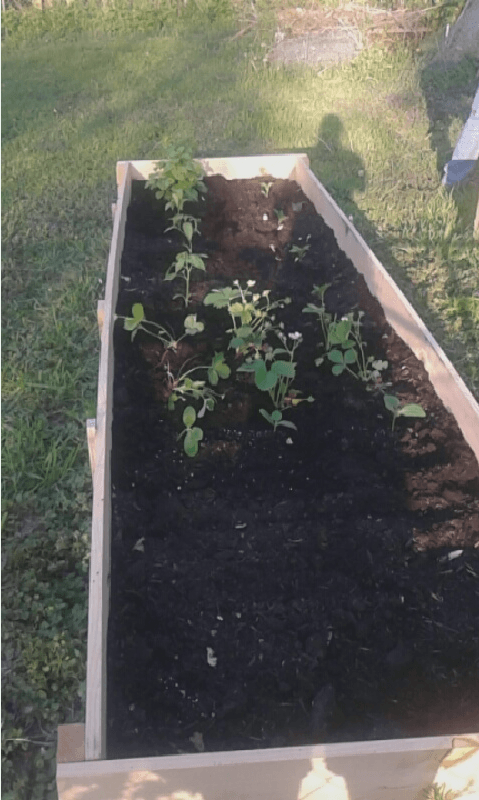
(291, 586)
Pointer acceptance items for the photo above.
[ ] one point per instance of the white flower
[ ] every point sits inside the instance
(250, 283)
(295, 336)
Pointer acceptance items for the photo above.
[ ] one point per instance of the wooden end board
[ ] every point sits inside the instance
(95, 725)
(280, 166)
(397, 769)
(400, 314)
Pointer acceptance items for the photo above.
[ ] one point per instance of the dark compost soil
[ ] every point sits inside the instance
(284, 587)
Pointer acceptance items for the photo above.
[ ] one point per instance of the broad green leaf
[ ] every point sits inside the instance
(336, 356)
(350, 357)
(223, 370)
(190, 445)
(130, 324)
(412, 410)
(236, 343)
(189, 416)
(392, 403)
(197, 262)
(188, 230)
(248, 366)
(337, 369)
(265, 380)
(276, 415)
(138, 312)
(284, 368)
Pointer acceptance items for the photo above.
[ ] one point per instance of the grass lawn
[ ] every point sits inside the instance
(81, 91)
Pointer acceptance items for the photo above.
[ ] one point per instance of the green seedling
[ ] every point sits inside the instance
(138, 322)
(280, 216)
(182, 268)
(265, 187)
(344, 344)
(218, 369)
(324, 317)
(183, 385)
(397, 410)
(299, 251)
(177, 179)
(274, 374)
(276, 419)
(192, 433)
(251, 314)
(185, 261)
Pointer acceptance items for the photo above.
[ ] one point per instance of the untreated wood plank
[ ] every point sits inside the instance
(449, 387)
(100, 315)
(280, 166)
(95, 724)
(71, 743)
(91, 436)
(398, 769)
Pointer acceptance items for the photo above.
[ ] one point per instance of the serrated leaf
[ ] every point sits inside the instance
(335, 356)
(349, 356)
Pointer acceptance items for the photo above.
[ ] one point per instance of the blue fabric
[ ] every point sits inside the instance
(456, 170)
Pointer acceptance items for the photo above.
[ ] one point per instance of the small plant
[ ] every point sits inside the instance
(393, 404)
(177, 179)
(299, 251)
(265, 187)
(137, 322)
(192, 433)
(324, 317)
(276, 419)
(185, 262)
(183, 386)
(344, 344)
(251, 314)
(280, 216)
(272, 374)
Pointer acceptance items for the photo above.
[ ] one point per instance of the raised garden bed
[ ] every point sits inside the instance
(290, 586)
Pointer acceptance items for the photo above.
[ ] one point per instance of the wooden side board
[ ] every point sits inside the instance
(95, 724)
(400, 314)
(398, 769)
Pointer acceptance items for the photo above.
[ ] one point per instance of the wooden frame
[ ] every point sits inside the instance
(262, 765)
